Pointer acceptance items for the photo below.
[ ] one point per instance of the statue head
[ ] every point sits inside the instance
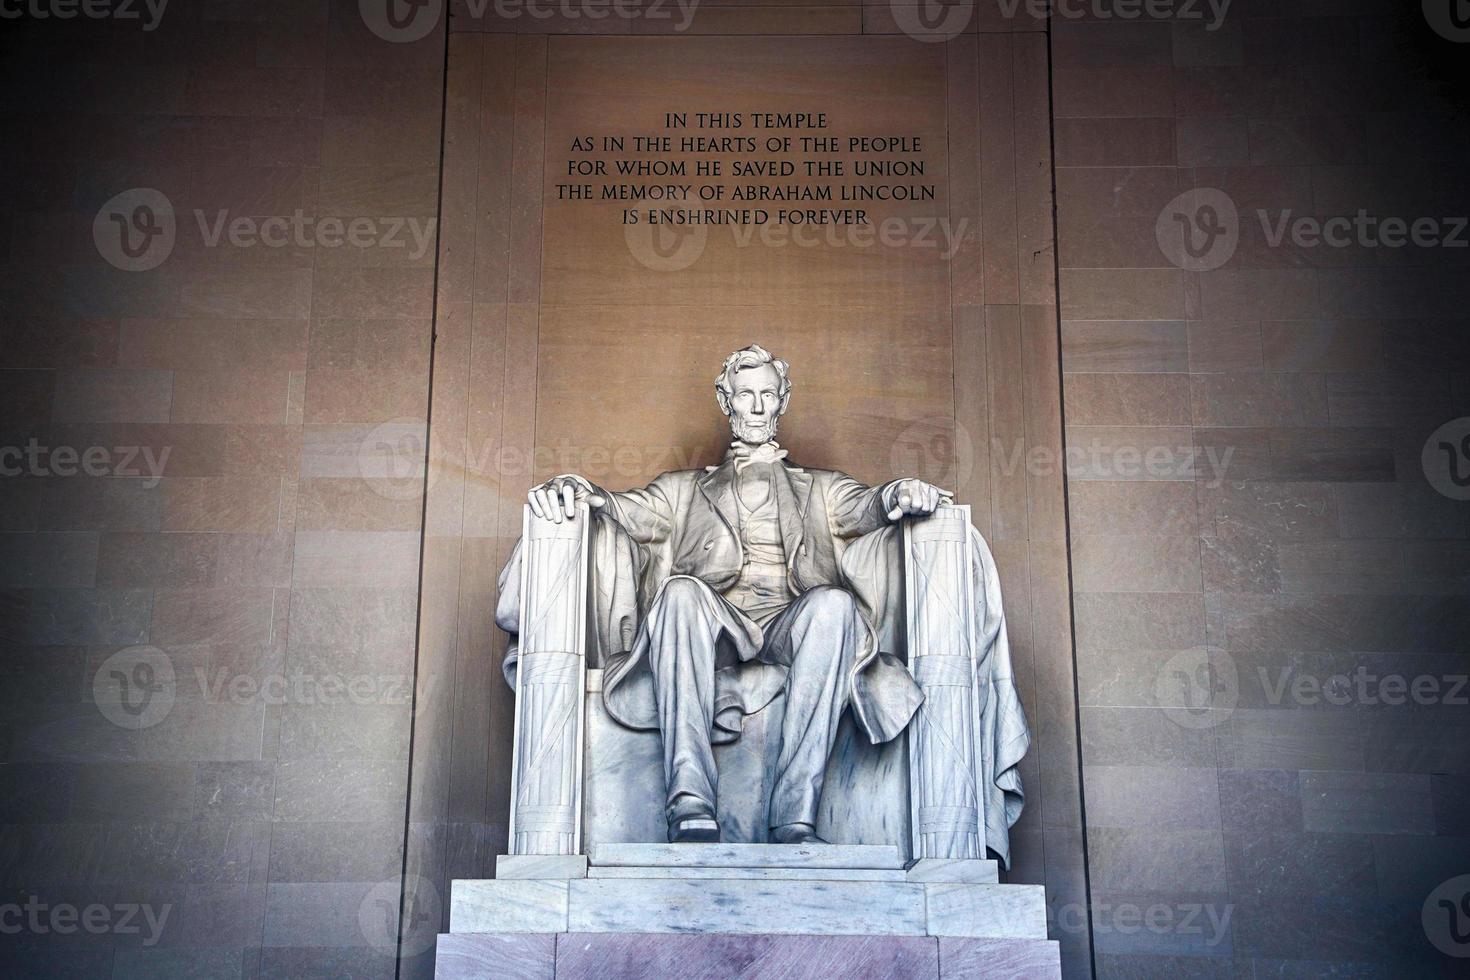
(752, 389)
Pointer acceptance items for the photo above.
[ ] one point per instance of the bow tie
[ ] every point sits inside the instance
(766, 452)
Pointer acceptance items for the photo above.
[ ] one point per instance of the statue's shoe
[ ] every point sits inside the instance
(795, 833)
(694, 830)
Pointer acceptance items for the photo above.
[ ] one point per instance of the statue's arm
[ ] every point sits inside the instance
(646, 513)
(856, 508)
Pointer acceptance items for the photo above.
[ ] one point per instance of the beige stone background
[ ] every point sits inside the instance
(290, 537)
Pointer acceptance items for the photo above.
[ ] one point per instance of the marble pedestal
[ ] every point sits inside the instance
(744, 910)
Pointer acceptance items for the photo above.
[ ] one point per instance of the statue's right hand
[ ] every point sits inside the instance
(556, 500)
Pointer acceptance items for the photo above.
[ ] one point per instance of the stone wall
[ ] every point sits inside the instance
(1319, 817)
(209, 653)
(208, 663)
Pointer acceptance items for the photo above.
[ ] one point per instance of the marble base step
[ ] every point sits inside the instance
(869, 856)
(749, 906)
(928, 870)
(587, 956)
(781, 874)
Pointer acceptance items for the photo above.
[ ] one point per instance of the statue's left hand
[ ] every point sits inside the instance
(912, 497)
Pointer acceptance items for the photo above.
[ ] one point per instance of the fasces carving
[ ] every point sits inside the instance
(942, 640)
(546, 788)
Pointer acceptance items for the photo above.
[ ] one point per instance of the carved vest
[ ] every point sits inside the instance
(762, 589)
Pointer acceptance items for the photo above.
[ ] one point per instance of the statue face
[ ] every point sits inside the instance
(755, 404)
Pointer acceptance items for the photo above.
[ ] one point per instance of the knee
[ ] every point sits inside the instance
(832, 600)
(681, 590)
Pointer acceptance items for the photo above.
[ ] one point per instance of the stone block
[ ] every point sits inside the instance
(508, 957)
(949, 869)
(508, 866)
(986, 911)
(796, 907)
(508, 906)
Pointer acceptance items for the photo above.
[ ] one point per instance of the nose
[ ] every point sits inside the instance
(758, 407)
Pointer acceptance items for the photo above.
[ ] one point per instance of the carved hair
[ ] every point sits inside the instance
(749, 357)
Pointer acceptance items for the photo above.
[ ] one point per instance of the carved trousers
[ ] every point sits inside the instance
(816, 638)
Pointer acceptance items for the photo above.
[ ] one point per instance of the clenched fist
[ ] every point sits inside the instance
(557, 499)
(911, 497)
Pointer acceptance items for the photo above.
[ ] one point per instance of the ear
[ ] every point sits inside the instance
(723, 399)
(784, 400)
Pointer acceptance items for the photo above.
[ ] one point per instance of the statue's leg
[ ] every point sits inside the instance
(683, 630)
(818, 638)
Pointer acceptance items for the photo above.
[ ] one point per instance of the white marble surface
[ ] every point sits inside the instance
(624, 777)
(950, 869)
(876, 908)
(986, 911)
(770, 874)
(540, 866)
(873, 856)
(774, 905)
(488, 905)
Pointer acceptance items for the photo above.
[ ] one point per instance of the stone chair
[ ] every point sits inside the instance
(582, 780)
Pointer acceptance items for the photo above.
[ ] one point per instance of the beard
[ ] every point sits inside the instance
(754, 434)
